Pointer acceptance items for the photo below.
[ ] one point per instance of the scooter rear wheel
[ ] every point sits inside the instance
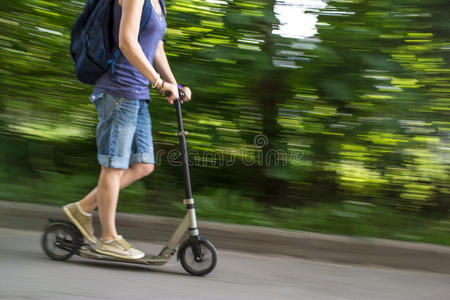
(60, 241)
(208, 259)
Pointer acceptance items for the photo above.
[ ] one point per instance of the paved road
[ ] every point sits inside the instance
(255, 239)
(26, 273)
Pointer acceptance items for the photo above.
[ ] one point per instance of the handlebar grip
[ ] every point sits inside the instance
(169, 93)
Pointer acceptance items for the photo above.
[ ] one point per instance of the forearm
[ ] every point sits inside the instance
(136, 56)
(162, 64)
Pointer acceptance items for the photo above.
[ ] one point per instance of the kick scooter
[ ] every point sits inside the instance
(62, 239)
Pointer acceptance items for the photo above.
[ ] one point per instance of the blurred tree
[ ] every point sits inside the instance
(358, 112)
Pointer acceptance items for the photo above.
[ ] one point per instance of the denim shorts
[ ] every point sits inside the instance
(124, 131)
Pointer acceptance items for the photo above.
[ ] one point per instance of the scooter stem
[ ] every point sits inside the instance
(184, 156)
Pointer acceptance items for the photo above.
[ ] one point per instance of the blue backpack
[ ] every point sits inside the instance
(92, 43)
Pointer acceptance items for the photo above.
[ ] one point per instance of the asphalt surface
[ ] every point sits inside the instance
(26, 273)
(261, 240)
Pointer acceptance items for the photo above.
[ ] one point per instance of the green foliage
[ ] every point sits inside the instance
(356, 114)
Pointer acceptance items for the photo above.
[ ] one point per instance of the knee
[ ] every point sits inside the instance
(110, 174)
(143, 170)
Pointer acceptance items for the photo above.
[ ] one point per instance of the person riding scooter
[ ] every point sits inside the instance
(124, 138)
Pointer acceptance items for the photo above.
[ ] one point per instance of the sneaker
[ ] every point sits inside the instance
(119, 248)
(82, 220)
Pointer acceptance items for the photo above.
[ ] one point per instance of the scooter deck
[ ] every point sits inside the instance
(148, 259)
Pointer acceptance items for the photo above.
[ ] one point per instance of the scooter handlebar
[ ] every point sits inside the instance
(180, 92)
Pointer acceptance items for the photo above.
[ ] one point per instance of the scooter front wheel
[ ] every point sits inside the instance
(60, 241)
(202, 265)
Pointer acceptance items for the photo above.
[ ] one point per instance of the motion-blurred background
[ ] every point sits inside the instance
(326, 116)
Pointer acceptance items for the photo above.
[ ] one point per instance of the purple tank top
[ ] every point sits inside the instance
(128, 82)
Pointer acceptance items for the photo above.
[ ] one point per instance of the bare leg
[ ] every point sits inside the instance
(106, 194)
(134, 173)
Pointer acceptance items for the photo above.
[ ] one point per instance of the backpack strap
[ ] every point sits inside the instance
(146, 14)
(163, 7)
(112, 61)
(164, 11)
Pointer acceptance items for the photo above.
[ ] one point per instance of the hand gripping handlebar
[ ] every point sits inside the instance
(180, 92)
